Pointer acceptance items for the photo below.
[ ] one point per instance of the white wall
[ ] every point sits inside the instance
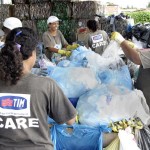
(6, 1)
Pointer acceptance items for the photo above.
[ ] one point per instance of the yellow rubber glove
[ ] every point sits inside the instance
(63, 52)
(72, 47)
(117, 37)
(131, 44)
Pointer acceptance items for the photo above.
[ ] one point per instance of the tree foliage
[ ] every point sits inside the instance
(140, 17)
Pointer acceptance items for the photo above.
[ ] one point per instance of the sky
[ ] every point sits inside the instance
(134, 3)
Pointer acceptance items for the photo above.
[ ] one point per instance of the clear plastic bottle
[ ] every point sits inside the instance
(42, 63)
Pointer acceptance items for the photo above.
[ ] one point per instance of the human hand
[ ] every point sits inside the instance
(64, 52)
(117, 37)
(39, 71)
(72, 47)
(43, 72)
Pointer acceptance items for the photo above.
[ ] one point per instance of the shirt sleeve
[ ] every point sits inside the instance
(106, 36)
(86, 41)
(47, 41)
(145, 58)
(63, 40)
(60, 108)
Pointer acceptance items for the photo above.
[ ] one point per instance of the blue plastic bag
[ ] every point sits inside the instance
(74, 101)
(110, 103)
(67, 63)
(77, 137)
(74, 81)
(118, 77)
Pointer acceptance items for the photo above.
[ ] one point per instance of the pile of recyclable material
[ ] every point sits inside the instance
(21, 11)
(69, 12)
(114, 23)
(19, 1)
(40, 10)
(5, 11)
(37, 1)
(109, 105)
(141, 32)
(112, 97)
(84, 10)
(71, 83)
(61, 0)
(30, 24)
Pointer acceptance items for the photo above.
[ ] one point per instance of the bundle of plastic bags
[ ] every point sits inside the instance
(74, 81)
(88, 58)
(120, 76)
(108, 103)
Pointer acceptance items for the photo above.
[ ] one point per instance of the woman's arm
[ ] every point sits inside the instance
(52, 49)
(71, 121)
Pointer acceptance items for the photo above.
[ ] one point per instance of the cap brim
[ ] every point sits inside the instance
(55, 21)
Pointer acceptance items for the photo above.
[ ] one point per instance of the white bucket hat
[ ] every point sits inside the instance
(52, 19)
(12, 23)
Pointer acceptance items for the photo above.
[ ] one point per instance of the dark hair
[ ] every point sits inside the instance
(19, 44)
(6, 30)
(92, 25)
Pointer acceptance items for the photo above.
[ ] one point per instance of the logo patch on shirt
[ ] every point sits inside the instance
(97, 38)
(14, 104)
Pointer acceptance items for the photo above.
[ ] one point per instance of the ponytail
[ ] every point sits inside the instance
(19, 44)
(10, 63)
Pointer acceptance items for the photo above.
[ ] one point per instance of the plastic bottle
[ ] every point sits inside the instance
(42, 63)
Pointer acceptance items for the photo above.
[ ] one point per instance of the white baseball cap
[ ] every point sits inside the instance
(52, 19)
(12, 23)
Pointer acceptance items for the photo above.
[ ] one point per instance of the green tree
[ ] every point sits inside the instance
(140, 16)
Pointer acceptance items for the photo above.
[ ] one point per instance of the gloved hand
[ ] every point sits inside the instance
(72, 47)
(63, 52)
(77, 118)
(117, 37)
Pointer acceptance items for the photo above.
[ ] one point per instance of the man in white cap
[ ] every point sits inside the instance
(54, 40)
(11, 23)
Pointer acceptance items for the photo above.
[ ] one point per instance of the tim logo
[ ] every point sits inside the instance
(13, 102)
(97, 37)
